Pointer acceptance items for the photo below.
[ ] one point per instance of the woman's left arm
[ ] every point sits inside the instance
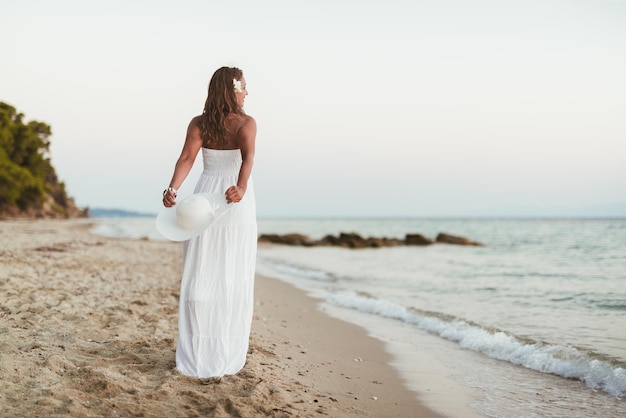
(246, 138)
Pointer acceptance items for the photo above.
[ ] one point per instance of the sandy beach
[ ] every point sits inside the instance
(88, 328)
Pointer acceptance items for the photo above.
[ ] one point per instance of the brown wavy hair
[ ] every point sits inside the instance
(220, 103)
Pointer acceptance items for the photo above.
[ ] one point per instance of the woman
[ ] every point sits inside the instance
(216, 296)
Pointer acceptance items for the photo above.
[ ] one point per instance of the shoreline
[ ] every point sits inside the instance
(89, 325)
(337, 359)
(422, 362)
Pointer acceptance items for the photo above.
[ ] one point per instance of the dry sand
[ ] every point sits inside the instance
(88, 328)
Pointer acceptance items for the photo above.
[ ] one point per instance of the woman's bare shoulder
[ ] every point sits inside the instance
(250, 119)
(239, 118)
(237, 122)
(195, 121)
(247, 127)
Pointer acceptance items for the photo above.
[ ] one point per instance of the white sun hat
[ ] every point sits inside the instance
(192, 215)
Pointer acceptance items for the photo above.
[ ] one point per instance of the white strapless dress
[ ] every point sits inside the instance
(216, 294)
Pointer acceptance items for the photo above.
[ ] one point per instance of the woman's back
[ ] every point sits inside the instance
(232, 140)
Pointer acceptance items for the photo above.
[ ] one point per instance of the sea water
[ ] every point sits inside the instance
(533, 323)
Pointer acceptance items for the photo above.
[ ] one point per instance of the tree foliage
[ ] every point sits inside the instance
(26, 174)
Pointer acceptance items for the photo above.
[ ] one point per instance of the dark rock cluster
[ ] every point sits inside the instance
(354, 240)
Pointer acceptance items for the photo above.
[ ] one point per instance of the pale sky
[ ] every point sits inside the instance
(364, 108)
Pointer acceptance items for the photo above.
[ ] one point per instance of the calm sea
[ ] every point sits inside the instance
(531, 324)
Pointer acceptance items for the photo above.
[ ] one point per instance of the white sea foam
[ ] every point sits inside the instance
(568, 362)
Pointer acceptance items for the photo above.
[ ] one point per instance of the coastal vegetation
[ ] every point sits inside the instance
(29, 186)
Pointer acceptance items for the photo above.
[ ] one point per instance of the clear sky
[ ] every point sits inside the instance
(364, 108)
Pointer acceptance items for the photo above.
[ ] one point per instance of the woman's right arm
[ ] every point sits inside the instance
(193, 143)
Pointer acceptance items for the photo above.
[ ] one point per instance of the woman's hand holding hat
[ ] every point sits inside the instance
(169, 197)
(234, 194)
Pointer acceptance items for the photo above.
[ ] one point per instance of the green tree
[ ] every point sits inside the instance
(26, 174)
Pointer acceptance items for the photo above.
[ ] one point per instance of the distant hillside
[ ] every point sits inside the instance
(118, 213)
(29, 186)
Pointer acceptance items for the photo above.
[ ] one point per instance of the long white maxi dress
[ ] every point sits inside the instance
(216, 294)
